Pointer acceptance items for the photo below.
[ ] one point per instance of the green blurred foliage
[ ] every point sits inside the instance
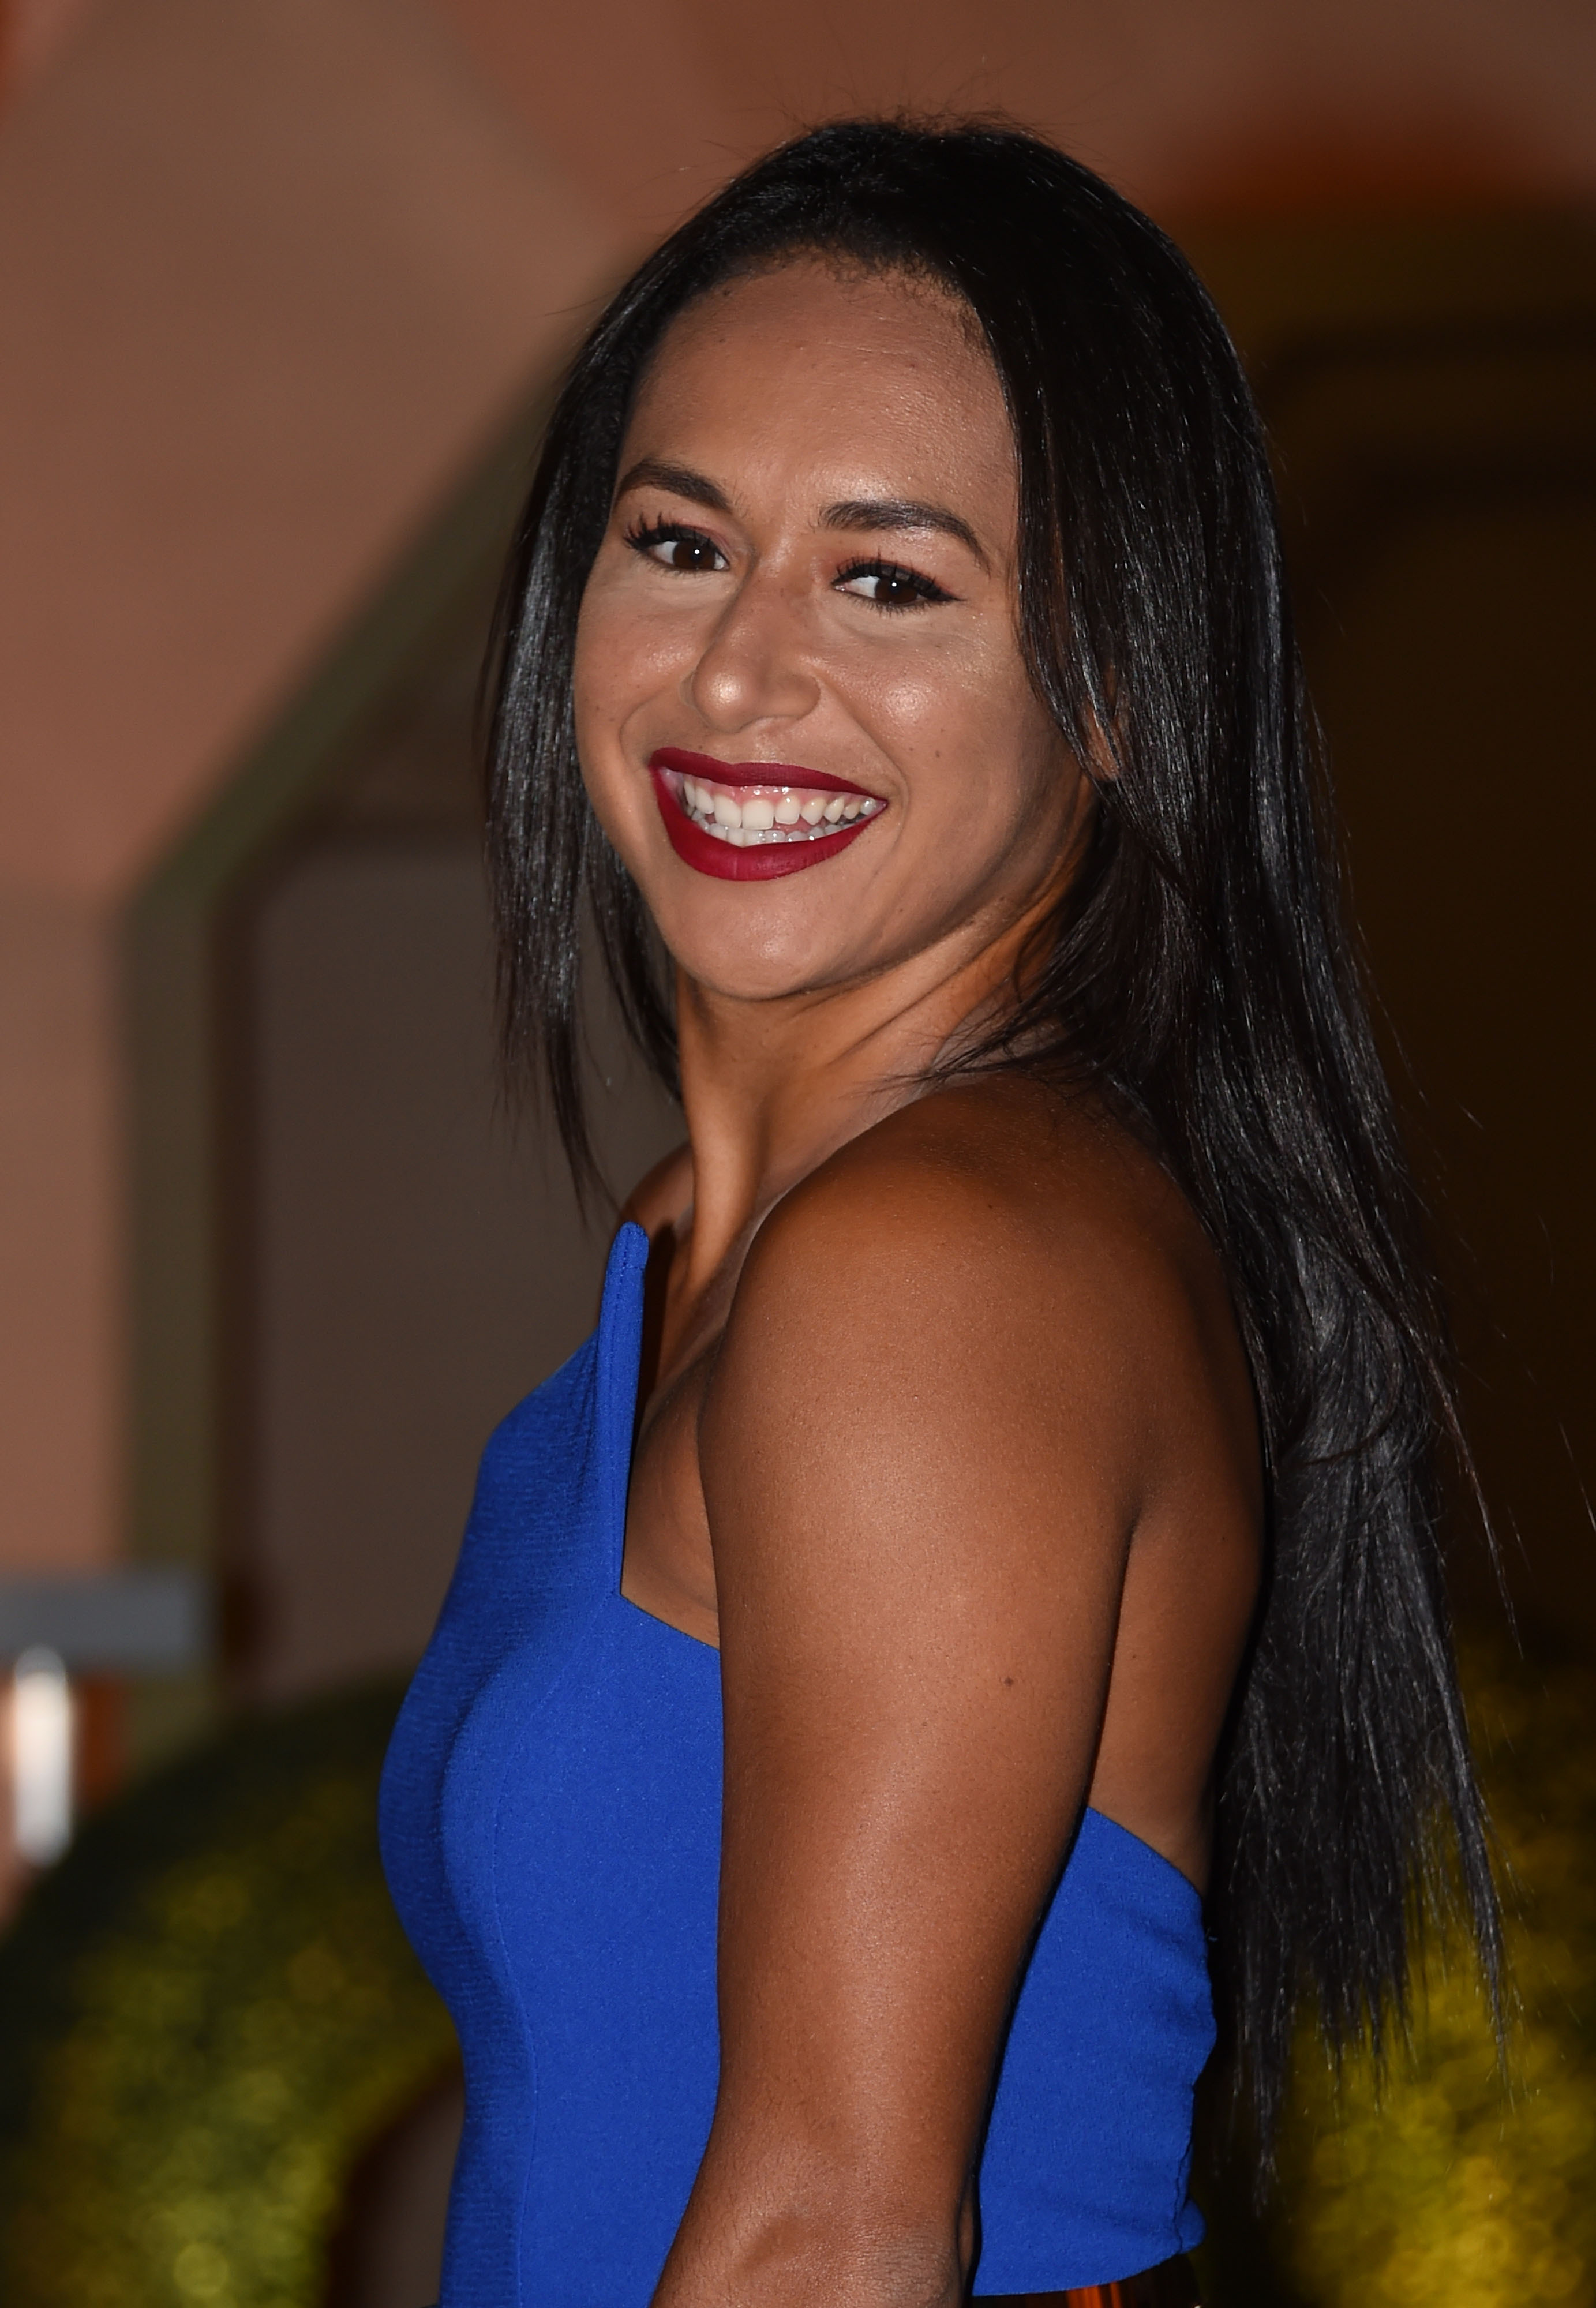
(1457, 2177)
(1459, 2182)
(207, 2012)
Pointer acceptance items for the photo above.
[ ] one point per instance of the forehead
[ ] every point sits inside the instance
(865, 376)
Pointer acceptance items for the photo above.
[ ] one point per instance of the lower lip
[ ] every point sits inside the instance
(765, 862)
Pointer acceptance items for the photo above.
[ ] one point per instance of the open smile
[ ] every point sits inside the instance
(752, 821)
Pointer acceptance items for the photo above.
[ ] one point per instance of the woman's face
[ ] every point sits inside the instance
(801, 709)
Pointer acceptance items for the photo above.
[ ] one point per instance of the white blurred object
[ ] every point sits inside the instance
(41, 1743)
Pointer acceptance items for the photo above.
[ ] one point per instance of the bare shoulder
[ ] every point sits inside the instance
(980, 1419)
(995, 1218)
(661, 1194)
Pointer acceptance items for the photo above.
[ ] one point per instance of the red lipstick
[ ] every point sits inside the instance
(785, 847)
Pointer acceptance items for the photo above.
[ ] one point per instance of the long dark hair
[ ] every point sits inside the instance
(1199, 975)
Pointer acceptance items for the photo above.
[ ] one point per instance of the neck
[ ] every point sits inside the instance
(772, 1088)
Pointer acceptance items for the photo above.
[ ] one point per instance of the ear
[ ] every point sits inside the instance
(1101, 762)
(1102, 755)
(1102, 751)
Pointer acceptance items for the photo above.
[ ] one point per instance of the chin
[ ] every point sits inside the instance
(756, 940)
(728, 951)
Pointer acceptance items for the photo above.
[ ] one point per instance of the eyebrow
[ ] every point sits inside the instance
(899, 513)
(679, 480)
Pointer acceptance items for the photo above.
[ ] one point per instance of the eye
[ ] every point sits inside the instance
(673, 546)
(888, 585)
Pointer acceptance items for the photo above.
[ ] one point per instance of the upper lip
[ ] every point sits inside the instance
(734, 774)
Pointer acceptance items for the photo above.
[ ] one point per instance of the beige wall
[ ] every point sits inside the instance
(61, 1207)
(273, 269)
(1181, 102)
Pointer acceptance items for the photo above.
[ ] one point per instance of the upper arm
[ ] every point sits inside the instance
(920, 1455)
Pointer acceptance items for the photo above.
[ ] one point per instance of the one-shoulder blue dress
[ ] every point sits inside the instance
(551, 1829)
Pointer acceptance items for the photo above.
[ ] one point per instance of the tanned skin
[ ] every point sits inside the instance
(947, 1438)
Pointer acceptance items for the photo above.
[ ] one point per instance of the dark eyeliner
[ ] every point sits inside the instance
(925, 592)
(642, 535)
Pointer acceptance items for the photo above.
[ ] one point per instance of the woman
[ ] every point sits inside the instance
(1015, 1469)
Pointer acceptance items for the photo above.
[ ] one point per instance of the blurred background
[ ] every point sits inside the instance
(284, 287)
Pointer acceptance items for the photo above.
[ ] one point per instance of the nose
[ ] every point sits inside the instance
(754, 667)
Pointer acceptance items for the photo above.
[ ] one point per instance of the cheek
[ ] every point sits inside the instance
(603, 669)
(965, 724)
(604, 681)
(624, 649)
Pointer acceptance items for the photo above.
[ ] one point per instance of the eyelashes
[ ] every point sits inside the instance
(698, 552)
(900, 588)
(686, 551)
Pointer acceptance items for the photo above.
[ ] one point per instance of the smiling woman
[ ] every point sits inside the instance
(848, 570)
(995, 1516)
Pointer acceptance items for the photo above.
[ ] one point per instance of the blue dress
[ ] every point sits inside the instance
(550, 1826)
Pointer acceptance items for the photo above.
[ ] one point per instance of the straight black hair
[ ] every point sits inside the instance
(1199, 976)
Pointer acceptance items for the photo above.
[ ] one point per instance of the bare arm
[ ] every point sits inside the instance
(923, 1463)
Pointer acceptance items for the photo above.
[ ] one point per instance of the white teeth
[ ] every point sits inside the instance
(750, 818)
